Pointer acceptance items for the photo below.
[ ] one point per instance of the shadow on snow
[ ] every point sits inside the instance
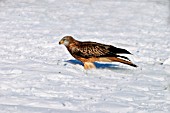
(98, 65)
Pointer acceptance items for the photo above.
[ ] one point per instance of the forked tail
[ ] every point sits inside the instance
(115, 59)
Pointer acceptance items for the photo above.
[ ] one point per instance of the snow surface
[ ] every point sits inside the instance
(39, 76)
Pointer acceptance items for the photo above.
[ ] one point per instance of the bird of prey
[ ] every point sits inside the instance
(89, 52)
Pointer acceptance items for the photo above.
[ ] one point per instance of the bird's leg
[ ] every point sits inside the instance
(89, 65)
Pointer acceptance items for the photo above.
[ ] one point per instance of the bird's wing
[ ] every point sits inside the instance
(92, 49)
(88, 50)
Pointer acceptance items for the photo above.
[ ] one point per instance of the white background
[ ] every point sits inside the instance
(37, 75)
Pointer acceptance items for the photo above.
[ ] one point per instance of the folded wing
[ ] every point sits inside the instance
(93, 49)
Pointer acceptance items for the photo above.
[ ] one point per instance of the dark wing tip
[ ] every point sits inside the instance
(123, 51)
(127, 52)
(118, 50)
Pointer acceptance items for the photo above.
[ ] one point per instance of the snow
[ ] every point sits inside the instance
(37, 75)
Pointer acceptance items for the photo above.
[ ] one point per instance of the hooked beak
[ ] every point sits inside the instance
(61, 42)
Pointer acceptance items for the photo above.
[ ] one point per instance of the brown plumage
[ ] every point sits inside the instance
(90, 52)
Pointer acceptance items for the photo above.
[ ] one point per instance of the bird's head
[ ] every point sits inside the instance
(66, 40)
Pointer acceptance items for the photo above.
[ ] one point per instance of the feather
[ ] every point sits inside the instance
(92, 49)
(114, 59)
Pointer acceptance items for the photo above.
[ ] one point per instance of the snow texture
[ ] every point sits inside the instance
(39, 76)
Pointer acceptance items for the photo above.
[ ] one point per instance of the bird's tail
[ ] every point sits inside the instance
(128, 62)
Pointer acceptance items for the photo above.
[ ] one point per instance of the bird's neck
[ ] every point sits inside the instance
(72, 45)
